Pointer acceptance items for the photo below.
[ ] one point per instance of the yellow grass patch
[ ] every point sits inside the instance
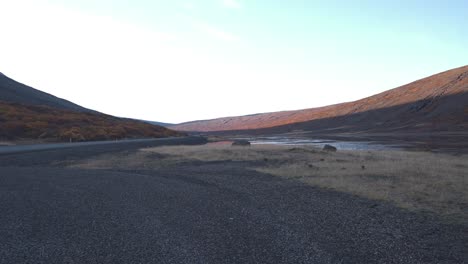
(413, 180)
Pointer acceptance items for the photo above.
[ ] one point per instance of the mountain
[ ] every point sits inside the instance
(435, 103)
(158, 123)
(27, 113)
(15, 92)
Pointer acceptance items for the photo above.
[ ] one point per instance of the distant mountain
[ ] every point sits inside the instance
(27, 113)
(435, 103)
(158, 123)
(15, 92)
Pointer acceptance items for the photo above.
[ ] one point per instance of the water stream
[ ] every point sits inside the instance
(345, 145)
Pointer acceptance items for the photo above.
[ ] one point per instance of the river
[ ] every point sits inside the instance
(344, 145)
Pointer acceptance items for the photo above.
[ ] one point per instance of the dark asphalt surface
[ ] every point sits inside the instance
(41, 147)
(218, 212)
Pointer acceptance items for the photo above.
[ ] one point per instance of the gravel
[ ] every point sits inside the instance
(200, 213)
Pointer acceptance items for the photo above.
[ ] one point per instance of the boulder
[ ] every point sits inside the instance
(241, 142)
(329, 148)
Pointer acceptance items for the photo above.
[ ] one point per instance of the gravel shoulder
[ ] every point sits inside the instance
(200, 212)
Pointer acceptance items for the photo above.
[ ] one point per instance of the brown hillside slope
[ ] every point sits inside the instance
(19, 122)
(436, 102)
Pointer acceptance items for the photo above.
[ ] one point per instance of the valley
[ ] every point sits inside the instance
(392, 190)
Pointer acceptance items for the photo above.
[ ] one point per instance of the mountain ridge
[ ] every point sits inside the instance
(30, 114)
(16, 92)
(423, 93)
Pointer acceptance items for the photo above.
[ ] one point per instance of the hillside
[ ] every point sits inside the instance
(29, 114)
(19, 121)
(15, 92)
(435, 103)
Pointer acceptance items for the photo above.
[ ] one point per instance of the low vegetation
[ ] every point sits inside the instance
(413, 180)
(18, 121)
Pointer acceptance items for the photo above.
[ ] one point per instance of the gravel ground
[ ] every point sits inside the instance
(203, 212)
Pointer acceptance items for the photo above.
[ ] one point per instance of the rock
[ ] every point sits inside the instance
(241, 142)
(329, 148)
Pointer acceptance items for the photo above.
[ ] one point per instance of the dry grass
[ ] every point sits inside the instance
(413, 180)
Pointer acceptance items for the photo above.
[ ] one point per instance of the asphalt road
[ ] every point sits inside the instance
(41, 147)
(217, 212)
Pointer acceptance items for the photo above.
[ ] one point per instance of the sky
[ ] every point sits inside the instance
(182, 60)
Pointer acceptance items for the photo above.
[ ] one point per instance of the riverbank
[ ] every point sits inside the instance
(452, 142)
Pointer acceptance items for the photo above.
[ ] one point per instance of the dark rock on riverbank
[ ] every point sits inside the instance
(329, 148)
(241, 142)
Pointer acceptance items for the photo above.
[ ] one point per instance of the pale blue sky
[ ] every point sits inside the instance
(176, 61)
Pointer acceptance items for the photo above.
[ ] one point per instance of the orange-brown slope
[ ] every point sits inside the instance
(20, 121)
(441, 97)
